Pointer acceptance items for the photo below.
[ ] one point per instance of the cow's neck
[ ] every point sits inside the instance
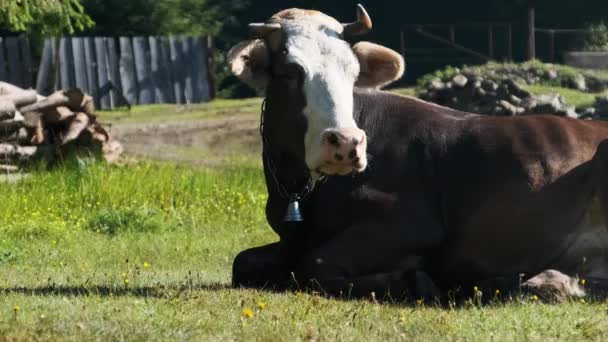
(285, 170)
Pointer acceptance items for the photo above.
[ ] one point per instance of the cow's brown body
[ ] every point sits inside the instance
(461, 197)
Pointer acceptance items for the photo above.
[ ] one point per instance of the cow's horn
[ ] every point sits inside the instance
(361, 26)
(261, 30)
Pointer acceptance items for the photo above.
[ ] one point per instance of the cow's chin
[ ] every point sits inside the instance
(333, 169)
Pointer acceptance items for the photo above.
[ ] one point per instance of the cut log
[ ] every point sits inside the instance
(24, 153)
(7, 168)
(57, 114)
(74, 99)
(20, 98)
(31, 119)
(19, 136)
(7, 88)
(7, 110)
(56, 99)
(9, 126)
(78, 124)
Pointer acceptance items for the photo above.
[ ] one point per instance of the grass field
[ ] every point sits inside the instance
(143, 252)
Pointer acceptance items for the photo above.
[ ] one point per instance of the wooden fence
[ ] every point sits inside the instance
(16, 61)
(128, 70)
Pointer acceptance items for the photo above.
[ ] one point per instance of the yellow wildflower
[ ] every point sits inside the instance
(475, 288)
(16, 308)
(261, 305)
(583, 300)
(124, 275)
(583, 281)
(419, 301)
(247, 313)
(146, 264)
(126, 281)
(535, 297)
(497, 292)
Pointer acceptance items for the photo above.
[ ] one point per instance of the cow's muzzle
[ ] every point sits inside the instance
(343, 151)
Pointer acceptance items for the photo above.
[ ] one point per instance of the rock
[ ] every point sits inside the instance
(579, 82)
(554, 286)
(514, 99)
(488, 85)
(588, 114)
(460, 81)
(436, 84)
(509, 108)
(552, 74)
(544, 104)
(516, 89)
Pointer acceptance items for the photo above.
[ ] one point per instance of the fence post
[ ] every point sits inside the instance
(491, 40)
(552, 45)
(531, 35)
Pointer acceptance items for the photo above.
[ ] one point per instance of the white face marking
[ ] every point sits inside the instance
(330, 69)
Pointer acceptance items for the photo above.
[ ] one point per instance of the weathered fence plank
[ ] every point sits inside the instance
(177, 72)
(66, 63)
(26, 58)
(15, 70)
(201, 75)
(144, 70)
(194, 69)
(3, 76)
(165, 66)
(103, 73)
(187, 70)
(80, 68)
(160, 70)
(127, 70)
(117, 96)
(91, 64)
(44, 79)
(141, 54)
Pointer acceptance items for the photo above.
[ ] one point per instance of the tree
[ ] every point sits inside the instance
(43, 17)
(158, 17)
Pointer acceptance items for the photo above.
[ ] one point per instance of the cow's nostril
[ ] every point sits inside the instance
(338, 157)
(356, 141)
(356, 160)
(332, 138)
(352, 154)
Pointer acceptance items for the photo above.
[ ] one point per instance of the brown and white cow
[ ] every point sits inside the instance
(408, 193)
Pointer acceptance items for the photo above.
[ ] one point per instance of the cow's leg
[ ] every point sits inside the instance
(260, 267)
(367, 249)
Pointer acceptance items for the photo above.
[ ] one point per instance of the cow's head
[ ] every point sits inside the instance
(308, 70)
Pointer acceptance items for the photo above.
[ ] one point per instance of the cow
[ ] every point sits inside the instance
(391, 194)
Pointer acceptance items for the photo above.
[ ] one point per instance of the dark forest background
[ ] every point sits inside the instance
(227, 20)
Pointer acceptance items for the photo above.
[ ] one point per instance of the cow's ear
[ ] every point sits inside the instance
(380, 66)
(249, 61)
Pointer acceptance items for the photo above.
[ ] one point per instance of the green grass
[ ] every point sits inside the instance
(573, 97)
(171, 113)
(143, 252)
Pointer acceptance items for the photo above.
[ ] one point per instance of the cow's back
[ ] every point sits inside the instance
(514, 194)
(518, 192)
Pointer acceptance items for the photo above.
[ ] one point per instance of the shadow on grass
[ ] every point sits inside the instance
(158, 291)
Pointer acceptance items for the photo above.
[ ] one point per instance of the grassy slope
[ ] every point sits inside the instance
(163, 113)
(144, 252)
(573, 97)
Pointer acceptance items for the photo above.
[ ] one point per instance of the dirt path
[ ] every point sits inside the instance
(205, 142)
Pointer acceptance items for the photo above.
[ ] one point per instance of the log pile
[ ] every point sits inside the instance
(34, 127)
